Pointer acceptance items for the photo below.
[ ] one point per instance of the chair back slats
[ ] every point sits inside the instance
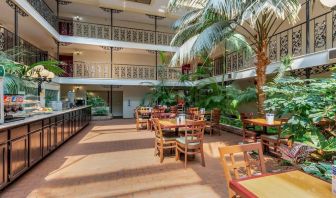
(157, 129)
(244, 149)
(230, 164)
(196, 129)
(215, 116)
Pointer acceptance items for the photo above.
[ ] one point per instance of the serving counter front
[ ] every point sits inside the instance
(24, 143)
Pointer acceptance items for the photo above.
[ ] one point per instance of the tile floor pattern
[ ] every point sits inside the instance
(112, 159)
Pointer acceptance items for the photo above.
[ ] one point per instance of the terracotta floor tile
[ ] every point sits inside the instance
(112, 159)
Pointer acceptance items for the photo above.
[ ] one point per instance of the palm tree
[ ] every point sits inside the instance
(231, 24)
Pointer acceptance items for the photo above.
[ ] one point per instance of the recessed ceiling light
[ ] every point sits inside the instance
(77, 18)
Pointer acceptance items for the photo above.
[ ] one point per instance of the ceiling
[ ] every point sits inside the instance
(29, 30)
(69, 49)
(85, 10)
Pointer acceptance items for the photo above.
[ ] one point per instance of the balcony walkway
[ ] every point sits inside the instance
(112, 159)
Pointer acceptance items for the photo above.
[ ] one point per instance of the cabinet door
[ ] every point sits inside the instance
(46, 141)
(66, 129)
(59, 129)
(52, 136)
(18, 156)
(35, 146)
(3, 165)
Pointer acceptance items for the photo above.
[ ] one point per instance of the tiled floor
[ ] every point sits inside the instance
(112, 159)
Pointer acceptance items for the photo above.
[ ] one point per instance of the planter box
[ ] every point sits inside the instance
(231, 129)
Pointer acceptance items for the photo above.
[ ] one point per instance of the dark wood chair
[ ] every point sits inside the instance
(213, 124)
(272, 142)
(192, 142)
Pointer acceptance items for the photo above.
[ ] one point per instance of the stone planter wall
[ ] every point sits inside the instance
(231, 129)
(97, 118)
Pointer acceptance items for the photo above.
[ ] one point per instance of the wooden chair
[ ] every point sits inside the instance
(139, 120)
(173, 109)
(247, 115)
(227, 154)
(162, 141)
(191, 111)
(213, 124)
(272, 142)
(249, 136)
(192, 142)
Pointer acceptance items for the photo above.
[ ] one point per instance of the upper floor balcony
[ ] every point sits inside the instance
(312, 38)
(82, 69)
(101, 31)
(25, 52)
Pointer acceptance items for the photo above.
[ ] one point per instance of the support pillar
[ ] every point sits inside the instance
(307, 27)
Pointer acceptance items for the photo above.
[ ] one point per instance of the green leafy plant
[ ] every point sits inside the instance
(306, 102)
(319, 169)
(17, 78)
(231, 25)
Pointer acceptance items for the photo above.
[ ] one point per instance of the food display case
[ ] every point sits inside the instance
(13, 107)
(17, 107)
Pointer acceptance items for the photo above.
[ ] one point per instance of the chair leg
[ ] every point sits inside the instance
(211, 131)
(137, 126)
(185, 157)
(161, 155)
(155, 148)
(202, 156)
(177, 154)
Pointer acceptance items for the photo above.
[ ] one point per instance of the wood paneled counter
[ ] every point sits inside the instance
(24, 143)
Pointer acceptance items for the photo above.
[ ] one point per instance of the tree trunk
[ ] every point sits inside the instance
(261, 64)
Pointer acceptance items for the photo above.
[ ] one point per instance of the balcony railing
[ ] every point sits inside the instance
(100, 31)
(45, 11)
(124, 71)
(291, 42)
(24, 52)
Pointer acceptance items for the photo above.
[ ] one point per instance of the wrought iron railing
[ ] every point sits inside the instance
(101, 31)
(45, 11)
(124, 71)
(23, 52)
(291, 41)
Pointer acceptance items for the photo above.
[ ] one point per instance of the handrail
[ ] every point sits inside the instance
(115, 26)
(7, 35)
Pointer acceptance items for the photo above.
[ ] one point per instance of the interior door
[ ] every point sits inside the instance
(117, 103)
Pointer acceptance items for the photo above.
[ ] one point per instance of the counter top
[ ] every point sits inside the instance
(38, 117)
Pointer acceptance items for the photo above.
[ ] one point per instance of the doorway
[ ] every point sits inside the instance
(117, 104)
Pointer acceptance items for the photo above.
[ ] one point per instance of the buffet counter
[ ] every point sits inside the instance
(25, 142)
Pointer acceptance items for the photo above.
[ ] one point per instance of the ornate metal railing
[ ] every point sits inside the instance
(23, 52)
(292, 41)
(91, 30)
(124, 71)
(45, 11)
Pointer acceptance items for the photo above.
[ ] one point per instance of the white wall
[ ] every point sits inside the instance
(132, 98)
(132, 95)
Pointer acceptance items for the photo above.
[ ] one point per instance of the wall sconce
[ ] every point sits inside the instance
(78, 52)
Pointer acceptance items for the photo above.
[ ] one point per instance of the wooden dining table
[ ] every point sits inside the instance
(262, 122)
(172, 123)
(291, 184)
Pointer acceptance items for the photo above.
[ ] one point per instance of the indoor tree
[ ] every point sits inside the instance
(231, 24)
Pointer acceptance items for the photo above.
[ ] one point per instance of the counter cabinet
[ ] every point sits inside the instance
(27, 143)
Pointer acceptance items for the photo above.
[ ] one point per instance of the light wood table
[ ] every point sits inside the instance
(171, 123)
(292, 184)
(263, 123)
